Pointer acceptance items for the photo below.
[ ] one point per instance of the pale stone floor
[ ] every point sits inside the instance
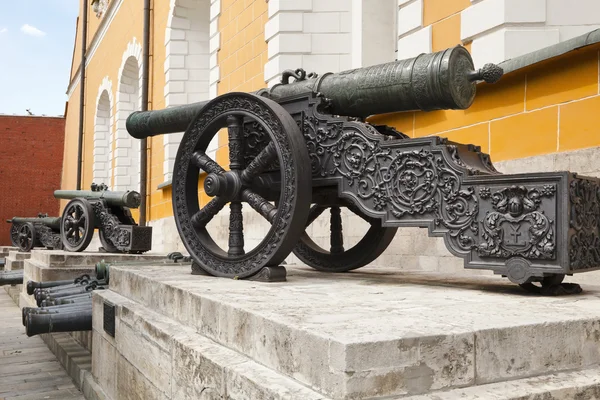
(28, 369)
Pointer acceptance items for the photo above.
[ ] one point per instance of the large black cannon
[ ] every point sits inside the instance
(300, 148)
(107, 211)
(27, 233)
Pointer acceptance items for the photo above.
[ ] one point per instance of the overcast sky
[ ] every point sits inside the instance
(36, 47)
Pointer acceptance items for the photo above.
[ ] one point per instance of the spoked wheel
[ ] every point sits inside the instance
(545, 283)
(283, 143)
(26, 240)
(337, 258)
(77, 225)
(14, 234)
(107, 243)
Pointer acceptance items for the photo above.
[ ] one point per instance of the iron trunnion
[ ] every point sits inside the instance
(300, 148)
(107, 211)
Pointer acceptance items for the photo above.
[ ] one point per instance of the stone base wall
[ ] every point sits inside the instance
(411, 249)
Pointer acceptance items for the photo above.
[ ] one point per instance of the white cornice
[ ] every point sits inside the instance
(113, 8)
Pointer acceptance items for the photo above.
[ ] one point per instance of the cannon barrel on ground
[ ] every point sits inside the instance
(131, 199)
(11, 277)
(51, 222)
(441, 80)
(77, 320)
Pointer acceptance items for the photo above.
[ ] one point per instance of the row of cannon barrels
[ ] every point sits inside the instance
(63, 306)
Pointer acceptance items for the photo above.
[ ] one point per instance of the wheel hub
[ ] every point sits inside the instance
(227, 184)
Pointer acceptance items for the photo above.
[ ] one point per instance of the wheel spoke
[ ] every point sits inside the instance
(236, 230)
(259, 204)
(235, 131)
(336, 238)
(206, 213)
(81, 220)
(204, 162)
(78, 212)
(261, 162)
(77, 234)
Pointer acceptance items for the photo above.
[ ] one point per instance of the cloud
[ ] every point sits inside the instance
(3, 30)
(32, 31)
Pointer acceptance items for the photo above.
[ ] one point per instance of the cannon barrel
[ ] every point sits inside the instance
(441, 80)
(11, 277)
(51, 222)
(131, 199)
(79, 320)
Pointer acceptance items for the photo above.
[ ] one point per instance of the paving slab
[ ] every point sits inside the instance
(28, 370)
(378, 332)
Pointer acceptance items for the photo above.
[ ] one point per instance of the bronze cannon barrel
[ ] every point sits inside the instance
(51, 222)
(11, 277)
(129, 198)
(441, 80)
(76, 320)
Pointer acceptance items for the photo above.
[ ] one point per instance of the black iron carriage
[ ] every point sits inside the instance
(303, 147)
(105, 210)
(40, 231)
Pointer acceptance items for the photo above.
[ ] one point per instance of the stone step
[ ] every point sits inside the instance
(584, 384)
(61, 258)
(15, 260)
(378, 332)
(157, 358)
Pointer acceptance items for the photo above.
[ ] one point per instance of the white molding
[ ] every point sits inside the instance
(127, 150)
(101, 169)
(113, 8)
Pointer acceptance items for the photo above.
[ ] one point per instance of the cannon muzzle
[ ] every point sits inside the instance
(441, 80)
(129, 198)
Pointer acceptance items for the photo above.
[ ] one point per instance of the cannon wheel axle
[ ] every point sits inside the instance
(282, 145)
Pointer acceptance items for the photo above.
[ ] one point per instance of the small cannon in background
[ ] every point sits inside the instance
(27, 233)
(11, 277)
(300, 148)
(107, 211)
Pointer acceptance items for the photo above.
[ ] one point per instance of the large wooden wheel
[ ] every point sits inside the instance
(337, 258)
(26, 237)
(282, 145)
(77, 225)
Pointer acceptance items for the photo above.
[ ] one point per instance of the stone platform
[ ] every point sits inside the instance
(373, 333)
(16, 260)
(55, 265)
(4, 250)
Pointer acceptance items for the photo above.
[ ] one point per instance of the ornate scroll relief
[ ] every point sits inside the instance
(121, 238)
(516, 227)
(584, 239)
(48, 237)
(406, 181)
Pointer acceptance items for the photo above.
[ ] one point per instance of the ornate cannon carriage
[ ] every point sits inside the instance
(107, 211)
(43, 231)
(300, 148)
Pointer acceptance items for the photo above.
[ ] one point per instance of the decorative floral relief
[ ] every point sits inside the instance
(516, 227)
(584, 241)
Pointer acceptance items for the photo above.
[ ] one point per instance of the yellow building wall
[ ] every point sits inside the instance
(545, 108)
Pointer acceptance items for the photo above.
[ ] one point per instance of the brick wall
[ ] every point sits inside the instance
(31, 156)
